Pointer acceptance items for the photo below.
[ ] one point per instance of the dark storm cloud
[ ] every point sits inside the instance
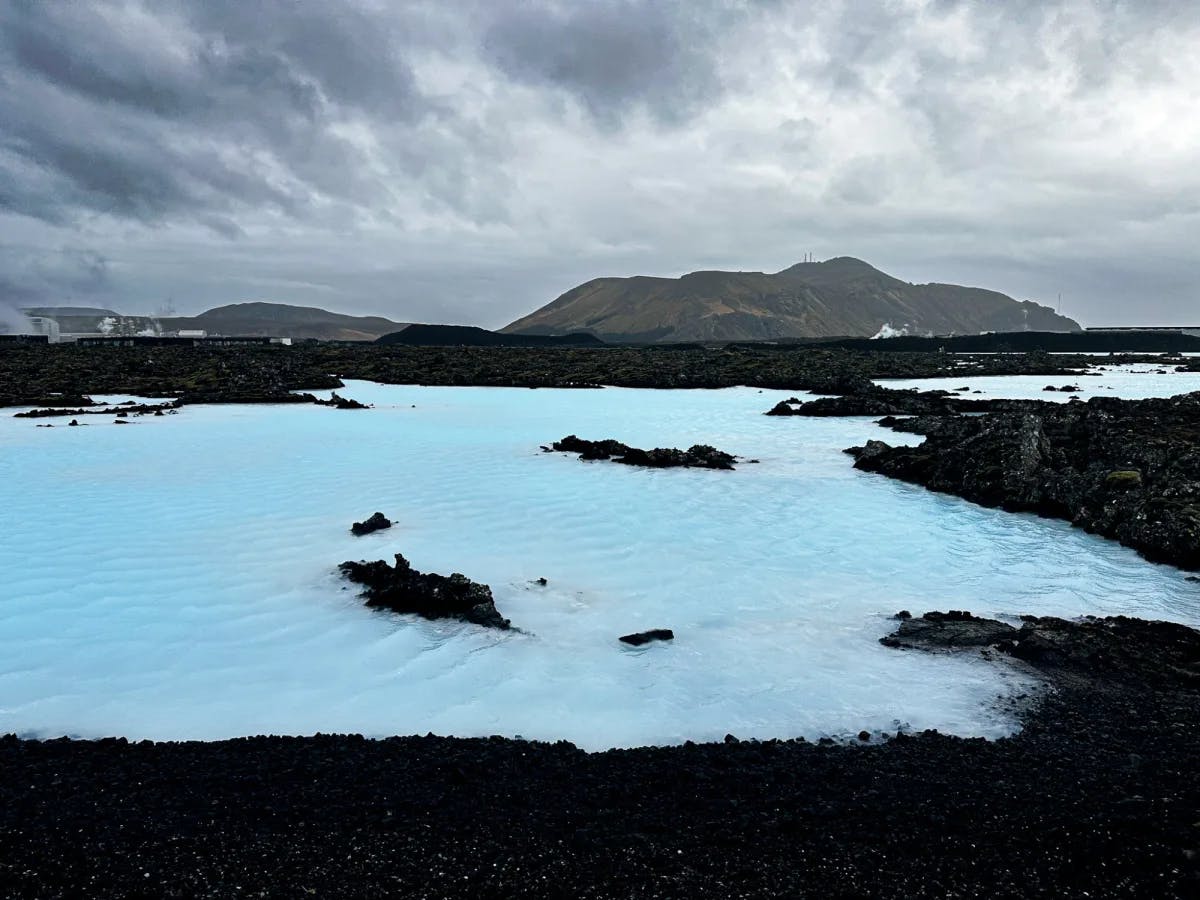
(147, 112)
(33, 277)
(614, 57)
(469, 160)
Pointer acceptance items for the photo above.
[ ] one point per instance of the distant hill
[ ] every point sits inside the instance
(470, 336)
(281, 320)
(236, 319)
(837, 297)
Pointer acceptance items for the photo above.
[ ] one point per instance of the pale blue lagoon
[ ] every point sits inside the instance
(177, 579)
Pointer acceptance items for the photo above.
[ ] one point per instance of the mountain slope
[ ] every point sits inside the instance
(841, 296)
(282, 320)
(237, 319)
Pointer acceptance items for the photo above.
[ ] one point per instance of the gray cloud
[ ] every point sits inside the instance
(615, 57)
(468, 161)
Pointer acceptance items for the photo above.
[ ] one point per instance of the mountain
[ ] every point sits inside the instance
(237, 319)
(281, 320)
(470, 336)
(837, 297)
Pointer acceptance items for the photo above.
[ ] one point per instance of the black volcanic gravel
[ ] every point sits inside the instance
(1099, 796)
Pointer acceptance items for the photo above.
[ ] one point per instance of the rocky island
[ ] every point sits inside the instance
(401, 588)
(699, 456)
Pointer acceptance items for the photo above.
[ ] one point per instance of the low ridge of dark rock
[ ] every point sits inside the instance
(400, 588)
(950, 629)
(376, 522)
(1114, 649)
(699, 456)
(337, 401)
(645, 637)
(864, 398)
(125, 409)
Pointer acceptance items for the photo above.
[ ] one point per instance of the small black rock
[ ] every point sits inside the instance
(377, 522)
(645, 637)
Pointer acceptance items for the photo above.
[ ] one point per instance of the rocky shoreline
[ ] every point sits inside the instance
(1097, 794)
(1125, 469)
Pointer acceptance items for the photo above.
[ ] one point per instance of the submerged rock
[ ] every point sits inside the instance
(699, 456)
(645, 637)
(401, 588)
(377, 522)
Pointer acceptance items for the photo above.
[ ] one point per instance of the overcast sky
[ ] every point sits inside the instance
(469, 161)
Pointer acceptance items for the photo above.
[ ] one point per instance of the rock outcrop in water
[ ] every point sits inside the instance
(699, 456)
(1110, 650)
(863, 398)
(1125, 469)
(337, 401)
(956, 628)
(646, 637)
(124, 409)
(401, 588)
(375, 522)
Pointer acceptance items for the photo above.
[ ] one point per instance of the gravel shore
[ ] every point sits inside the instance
(1098, 796)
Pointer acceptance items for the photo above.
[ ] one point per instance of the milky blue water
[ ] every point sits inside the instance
(176, 578)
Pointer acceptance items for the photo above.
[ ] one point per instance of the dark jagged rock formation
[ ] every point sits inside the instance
(864, 398)
(137, 409)
(1126, 469)
(872, 401)
(337, 401)
(645, 637)
(1106, 651)
(400, 588)
(699, 456)
(376, 522)
(955, 628)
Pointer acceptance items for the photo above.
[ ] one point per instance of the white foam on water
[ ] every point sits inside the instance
(177, 578)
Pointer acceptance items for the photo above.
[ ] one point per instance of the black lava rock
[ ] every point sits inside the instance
(699, 456)
(377, 522)
(337, 401)
(950, 629)
(1126, 469)
(645, 637)
(400, 588)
